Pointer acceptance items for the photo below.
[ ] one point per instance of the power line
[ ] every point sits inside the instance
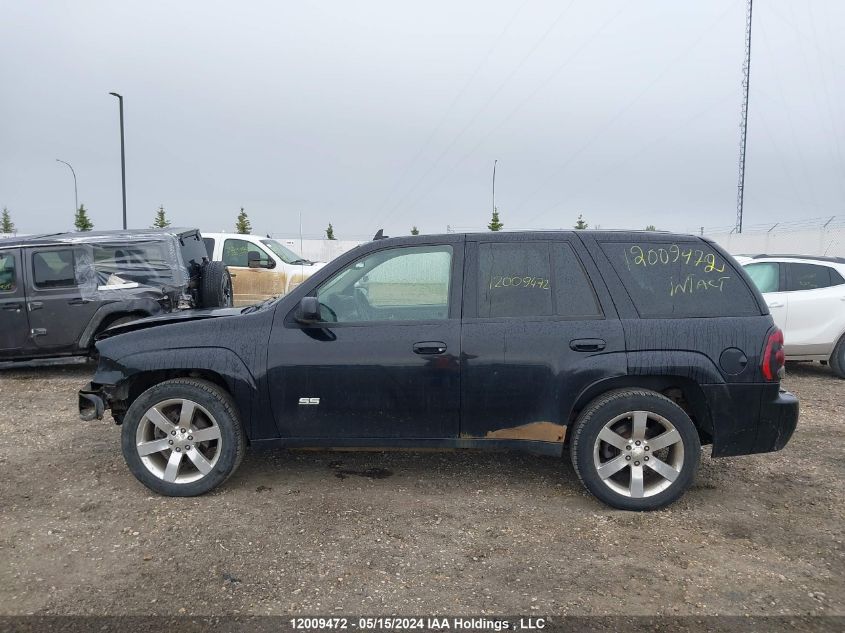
(520, 105)
(472, 120)
(451, 107)
(605, 126)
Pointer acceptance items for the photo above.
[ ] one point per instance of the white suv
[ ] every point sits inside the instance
(261, 267)
(806, 296)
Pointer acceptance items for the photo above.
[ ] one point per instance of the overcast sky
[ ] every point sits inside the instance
(371, 114)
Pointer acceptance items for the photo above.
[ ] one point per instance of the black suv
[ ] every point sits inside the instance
(57, 292)
(629, 349)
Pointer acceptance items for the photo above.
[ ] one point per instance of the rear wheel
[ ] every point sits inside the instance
(837, 359)
(635, 449)
(182, 437)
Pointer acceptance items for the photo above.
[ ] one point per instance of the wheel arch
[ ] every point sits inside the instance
(681, 390)
(110, 312)
(219, 366)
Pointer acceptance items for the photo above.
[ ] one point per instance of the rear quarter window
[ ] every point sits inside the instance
(678, 280)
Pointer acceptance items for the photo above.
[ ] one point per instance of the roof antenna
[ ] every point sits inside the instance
(380, 235)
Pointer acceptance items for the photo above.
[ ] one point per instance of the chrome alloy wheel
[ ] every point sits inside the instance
(638, 454)
(178, 441)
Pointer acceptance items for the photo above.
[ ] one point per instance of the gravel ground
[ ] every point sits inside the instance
(408, 533)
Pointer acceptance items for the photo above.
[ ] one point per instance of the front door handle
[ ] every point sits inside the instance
(587, 345)
(429, 347)
(35, 305)
(39, 331)
(12, 307)
(775, 304)
(78, 302)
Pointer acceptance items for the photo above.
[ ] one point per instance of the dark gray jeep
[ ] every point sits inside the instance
(57, 292)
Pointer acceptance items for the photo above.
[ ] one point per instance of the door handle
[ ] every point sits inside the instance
(39, 331)
(232, 275)
(78, 302)
(35, 305)
(12, 307)
(775, 304)
(587, 345)
(429, 347)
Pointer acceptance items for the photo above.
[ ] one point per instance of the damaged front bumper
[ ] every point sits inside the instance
(92, 403)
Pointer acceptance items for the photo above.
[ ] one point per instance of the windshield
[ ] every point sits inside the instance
(283, 252)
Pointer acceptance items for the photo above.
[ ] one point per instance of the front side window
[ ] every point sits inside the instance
(54, 269)
(807, 276)
(8, 278)
(400, 284)
(765, 275)
(236, 253)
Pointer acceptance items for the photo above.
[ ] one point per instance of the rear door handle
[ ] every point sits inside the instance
(429, 347)
(775, 304)
(587, 345)
(35, 305)
(78, 302)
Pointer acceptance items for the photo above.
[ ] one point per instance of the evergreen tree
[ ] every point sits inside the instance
(243, 226)
(330, 232)
(495, 225)
(415, 230)
(81, 220)
(6, 224)
(161, 221)
(581, 224)
(651, 227)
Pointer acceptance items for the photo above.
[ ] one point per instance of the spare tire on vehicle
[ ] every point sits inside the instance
(215, 286)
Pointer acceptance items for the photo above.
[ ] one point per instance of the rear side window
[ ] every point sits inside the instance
(810, 277)
(7, 272)
(54, 269)
(765, 275)
(529, 279)
(193, 250)
(209, 246)
(687, 279)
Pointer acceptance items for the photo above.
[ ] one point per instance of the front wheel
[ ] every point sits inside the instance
(182, 437)
(635, 449)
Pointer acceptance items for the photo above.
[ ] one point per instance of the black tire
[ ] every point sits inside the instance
(214, 405)
(837, 359)
(589, 453)
(215, 286)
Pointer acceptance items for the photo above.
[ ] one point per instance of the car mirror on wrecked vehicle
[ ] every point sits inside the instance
(254, 260)
(309, 310)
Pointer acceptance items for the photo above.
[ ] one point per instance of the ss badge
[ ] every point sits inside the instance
(309, 401)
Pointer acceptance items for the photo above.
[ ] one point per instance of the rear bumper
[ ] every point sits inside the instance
(778, 419)
(750, 418)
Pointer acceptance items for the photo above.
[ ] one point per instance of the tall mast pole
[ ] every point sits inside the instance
(746, 80)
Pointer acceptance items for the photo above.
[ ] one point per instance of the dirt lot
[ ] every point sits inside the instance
(380, 533)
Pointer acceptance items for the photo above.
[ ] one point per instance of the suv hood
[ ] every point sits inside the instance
(173, 317)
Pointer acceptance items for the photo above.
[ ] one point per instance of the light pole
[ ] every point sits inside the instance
(122, 156)
(75, 193)
(494, 184)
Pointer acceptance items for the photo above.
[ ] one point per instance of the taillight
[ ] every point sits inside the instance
(773, 356)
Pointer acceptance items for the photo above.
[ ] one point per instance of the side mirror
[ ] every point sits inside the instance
(309, 310)
(254, 260)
